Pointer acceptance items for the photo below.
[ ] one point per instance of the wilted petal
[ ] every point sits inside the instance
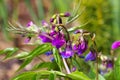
(116, 45)
(29, 24)
(109, 64)
(67, 14)
(90, 56)
(77, 31)
(27, 39)
(51, 20)
(73, 69)
(44, 23)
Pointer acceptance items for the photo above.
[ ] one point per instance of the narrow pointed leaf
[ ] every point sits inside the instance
(78, 76)
(26, 62)
(10, 53)
(57, 57)
(41, 49)
(31, 75)
(52, 76)
(42, 65)
(117, 69)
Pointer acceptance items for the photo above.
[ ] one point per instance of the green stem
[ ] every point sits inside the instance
(96, 60)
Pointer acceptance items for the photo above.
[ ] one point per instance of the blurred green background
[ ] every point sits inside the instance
(102, 17)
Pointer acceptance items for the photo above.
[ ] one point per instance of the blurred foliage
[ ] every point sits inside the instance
(37, 10)
(3, 17)
(102, 20)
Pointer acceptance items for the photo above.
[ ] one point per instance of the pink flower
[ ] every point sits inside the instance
(115, 45)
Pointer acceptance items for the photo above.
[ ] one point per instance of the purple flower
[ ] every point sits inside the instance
(51, 20)
(91, 56)
(81, 48)
(45, 37)
(67, 14)
(29, 24)
(52, 59)
(27, 39)
(48, 53)
(109, 64)
(44, 23)
(53, 32)
(58, 41)
(116, 45)
(73, 69)
(68, 52)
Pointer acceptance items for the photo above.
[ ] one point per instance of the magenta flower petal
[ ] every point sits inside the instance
(45, 38)
(67, 14)
(27, 39)
(115, 45)
(58, 41)
(51, 20)
(81, 48)
(29, 24)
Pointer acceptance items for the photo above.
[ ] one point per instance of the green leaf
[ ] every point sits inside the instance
(110, 75)
(42, 65)
(10, 52)
(55, 67)
(1, 52)
(52, 76)
(75, 63)
(77, 27)
(33, 75)
(75, 12)
(57, 57)
(25, 76)
(117, 69)
(78, 76)
(91, 73)
(20, 55)
(7, 50)
(100, 77)
(41, 49)
(26, 62)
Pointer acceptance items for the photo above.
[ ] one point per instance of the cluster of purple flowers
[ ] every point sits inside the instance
(107, 62)
(56, 35)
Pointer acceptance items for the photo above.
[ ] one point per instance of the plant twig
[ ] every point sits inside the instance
(66, 66)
